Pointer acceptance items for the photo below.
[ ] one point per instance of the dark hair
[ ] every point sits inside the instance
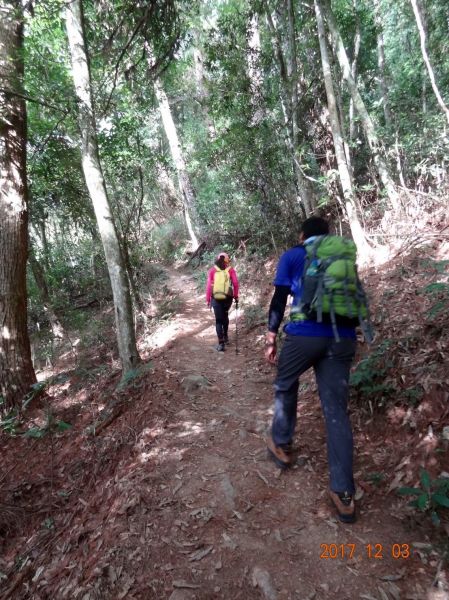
(314, 226)
(221, 263)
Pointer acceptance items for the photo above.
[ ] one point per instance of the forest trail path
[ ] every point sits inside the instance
(234, 524)
(175, 498)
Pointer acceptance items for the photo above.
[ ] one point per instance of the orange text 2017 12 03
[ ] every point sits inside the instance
(374, 551)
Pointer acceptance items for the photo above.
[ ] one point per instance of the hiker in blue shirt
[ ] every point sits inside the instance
(307, 344)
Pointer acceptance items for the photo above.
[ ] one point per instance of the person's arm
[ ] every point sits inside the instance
(289, 264)
(235, 283)
(277, 308)
(275, 316)
(209, 285)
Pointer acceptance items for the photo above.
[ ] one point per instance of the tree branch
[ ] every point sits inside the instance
(9, 92)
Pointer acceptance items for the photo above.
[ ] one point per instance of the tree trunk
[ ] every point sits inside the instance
(345, 178)
(200, 81)
(255, 73)
(43, 236)
(39, 277)
(16, 368)
(185, 185)
(381, 64)
(422, 37)
(305, 191)
(340, 113)
(132, 277)
(93, 174)
(365, 119)
(355, 57)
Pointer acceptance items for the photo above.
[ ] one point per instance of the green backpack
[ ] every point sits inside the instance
(330, 284)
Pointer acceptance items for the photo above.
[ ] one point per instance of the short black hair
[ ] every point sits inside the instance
(314, 226)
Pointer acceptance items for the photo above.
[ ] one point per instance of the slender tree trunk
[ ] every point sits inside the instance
(345, 178)
(16, 369)
(131, 276)
(93, 174)
(255, 74)
(381, 64)
(39, 277)
(340, 112)
(292, 71)
(355, 57)
(43, 236)
(305, 191)
(256, 79)
(365, 119)
(185, 185)
(200, 80)
(424, 95)
(422, 37)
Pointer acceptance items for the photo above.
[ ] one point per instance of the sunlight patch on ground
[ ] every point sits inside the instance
(147, 451)
(191, 429)
(170, 331)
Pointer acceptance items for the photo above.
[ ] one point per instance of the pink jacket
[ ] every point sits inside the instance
(210, 283)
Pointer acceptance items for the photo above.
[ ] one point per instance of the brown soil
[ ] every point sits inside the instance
(175, 498)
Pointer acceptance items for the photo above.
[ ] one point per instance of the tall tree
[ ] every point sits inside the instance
(422, 37)
(254, 68)
(185, 185)
(343, 170)
(289, 100)
(381, 63)
(365, 118)
(16, 369)
(93, 174)
(355, 56)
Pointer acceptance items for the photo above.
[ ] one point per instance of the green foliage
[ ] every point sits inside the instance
(368, 378)
(437, 291)
(439, 294)
(233, 139)
(168, 241)
(431, 497)
(36, 432)
(376, 479)
(254, 315)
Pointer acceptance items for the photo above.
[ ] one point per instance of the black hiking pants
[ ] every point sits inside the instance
(221, 311)
(331, 362)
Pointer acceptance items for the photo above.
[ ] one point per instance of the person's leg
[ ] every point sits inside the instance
(332, 375)
(219, 319)
(297, 355)
(226, 306)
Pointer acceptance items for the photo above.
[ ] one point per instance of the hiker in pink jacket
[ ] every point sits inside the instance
(222, 286)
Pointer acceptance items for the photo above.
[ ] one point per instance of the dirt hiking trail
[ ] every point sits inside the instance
(176, 499)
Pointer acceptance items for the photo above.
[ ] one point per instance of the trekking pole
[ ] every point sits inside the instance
(236, 328)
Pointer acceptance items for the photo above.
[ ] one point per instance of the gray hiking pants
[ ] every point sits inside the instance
(331, 362)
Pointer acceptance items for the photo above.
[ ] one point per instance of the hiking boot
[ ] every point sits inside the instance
(226, 339)
(345, 505)
(283, 456)
(220, 347)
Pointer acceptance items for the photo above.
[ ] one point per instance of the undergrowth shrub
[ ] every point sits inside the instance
(168, 242)
(369, 378)
(431, 497)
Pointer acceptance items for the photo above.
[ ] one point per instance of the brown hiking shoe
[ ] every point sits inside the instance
(345, 505)
(284, 456)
